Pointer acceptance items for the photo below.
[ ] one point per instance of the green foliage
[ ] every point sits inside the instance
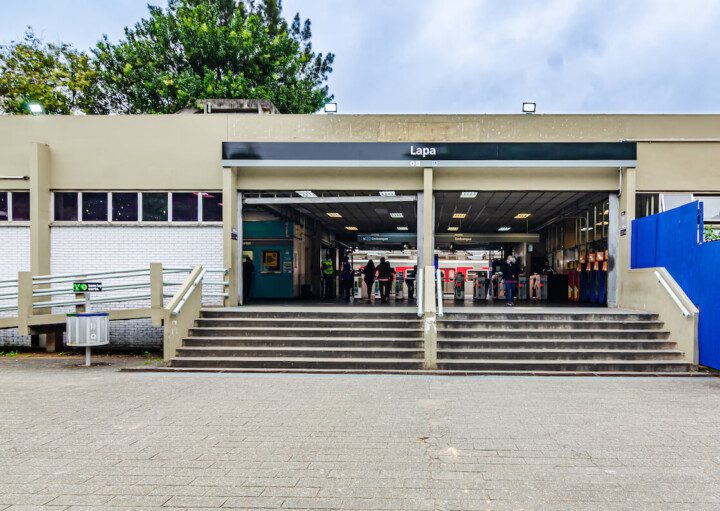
(711, 234)
(196, 49)
(10, 354)
(57, 76)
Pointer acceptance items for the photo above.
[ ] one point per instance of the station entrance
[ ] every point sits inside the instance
(553, 246)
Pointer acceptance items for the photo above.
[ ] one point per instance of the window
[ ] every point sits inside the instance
(711, 208)
(66, 206)
(155, 207)
(3, 207)
(125, 207)
(20, 206)
(184, 207)
(94, 206)
(212, 207)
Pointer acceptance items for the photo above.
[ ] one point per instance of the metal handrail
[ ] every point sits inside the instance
(420, 292)
(438, 279)
(57, 279)
(9, 284)
(189, 292)
(672, 294)
(109, 299)
(90, 274)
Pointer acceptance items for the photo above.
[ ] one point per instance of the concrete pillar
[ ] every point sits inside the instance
(613, 245)
(419, 230)
(39, 172)
(230, 224)
(626, 216)
(428, 267)
(428, 227)
(156, 293)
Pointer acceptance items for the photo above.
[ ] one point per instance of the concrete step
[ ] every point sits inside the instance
(300, 351)
(474, 324)
(310, 314)
(610, 365)
(328, 333)
(540, 314)
(320, 342)
(480, 343)
(558, 354)
(331, 323)
(538, 333)
(298, 363)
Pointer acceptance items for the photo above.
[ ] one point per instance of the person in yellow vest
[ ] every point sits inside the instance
(327, 268)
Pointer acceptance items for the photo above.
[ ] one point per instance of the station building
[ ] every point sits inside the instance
(92, 193)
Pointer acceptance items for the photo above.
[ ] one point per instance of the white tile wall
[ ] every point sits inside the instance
(14, 257)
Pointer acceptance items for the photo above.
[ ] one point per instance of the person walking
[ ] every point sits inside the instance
(511, 274)
(410, 276)
(369, 277)
(248, 270)
(327, 269)
(346, 279)
(385, 274)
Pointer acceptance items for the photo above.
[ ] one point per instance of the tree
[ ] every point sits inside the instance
(57, 76)
(197, 49)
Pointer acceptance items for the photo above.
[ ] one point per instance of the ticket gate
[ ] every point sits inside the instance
(399, 286)
(459, 286)
(480, 288)
(522, 291)
(357, 287)
(376, 289)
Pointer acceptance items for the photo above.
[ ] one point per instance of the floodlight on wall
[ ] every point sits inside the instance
(306, 193)
(331, 108)
(35, 108)
(528, 107)
(468, 195)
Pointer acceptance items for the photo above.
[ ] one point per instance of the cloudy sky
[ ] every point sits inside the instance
(473, 56)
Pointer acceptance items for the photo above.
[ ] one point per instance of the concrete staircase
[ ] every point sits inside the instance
(315, 340)
(556, 341)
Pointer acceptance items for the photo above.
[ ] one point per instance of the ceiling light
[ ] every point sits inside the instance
(396, 215)
(602, 223)
(504, 228)
(584, 229)
(387, 193)
(468, 195)
(351, 228)
(305, 193)
(333, 214)
(522, 216)
(331, 108)
(528, 107)
(459, 215)
(402, 228)
(453, 228)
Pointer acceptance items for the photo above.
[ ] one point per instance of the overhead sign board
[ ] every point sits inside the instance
(591, 154)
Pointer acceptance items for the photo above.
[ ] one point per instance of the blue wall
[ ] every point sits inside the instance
(674, 240)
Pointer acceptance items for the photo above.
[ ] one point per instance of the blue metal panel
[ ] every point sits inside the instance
(673, 240)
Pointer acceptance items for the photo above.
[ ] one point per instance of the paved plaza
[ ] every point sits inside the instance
(86, 439)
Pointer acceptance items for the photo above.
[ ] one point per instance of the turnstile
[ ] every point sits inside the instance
(459, 286)
(357, 286)
(522, 290)
(480, 291)
(399, 286)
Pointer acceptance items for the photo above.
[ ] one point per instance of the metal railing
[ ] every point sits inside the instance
(420, 292)
(439, 281)
(672, 294)
(11, 296)
(188, 292)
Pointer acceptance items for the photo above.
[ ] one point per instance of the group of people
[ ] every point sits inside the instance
(383, 273)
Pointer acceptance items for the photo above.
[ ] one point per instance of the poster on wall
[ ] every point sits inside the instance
(271, 260)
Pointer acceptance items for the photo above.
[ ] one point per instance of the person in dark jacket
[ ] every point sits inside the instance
(410, 276)
(369, 277)
(511, 274)
(385, 274)
(346, 279)
(248, 270)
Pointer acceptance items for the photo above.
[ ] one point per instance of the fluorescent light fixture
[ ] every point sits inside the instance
(387, 193)
(351, 228)
(333, 214)
(402, 228)
(305, 193)
(459, 215)
(35, 108)
(602, 223)
(453, 228)
(528, 107)
(331, 108)
(396, 215)
(468, 195)
(522, 216)
(584, 229)
(504, 228)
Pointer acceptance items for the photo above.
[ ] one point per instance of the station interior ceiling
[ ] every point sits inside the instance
(468, 212)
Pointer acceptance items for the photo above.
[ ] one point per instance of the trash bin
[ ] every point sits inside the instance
(87, 329)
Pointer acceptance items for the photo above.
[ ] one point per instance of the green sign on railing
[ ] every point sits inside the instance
(85, 287)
